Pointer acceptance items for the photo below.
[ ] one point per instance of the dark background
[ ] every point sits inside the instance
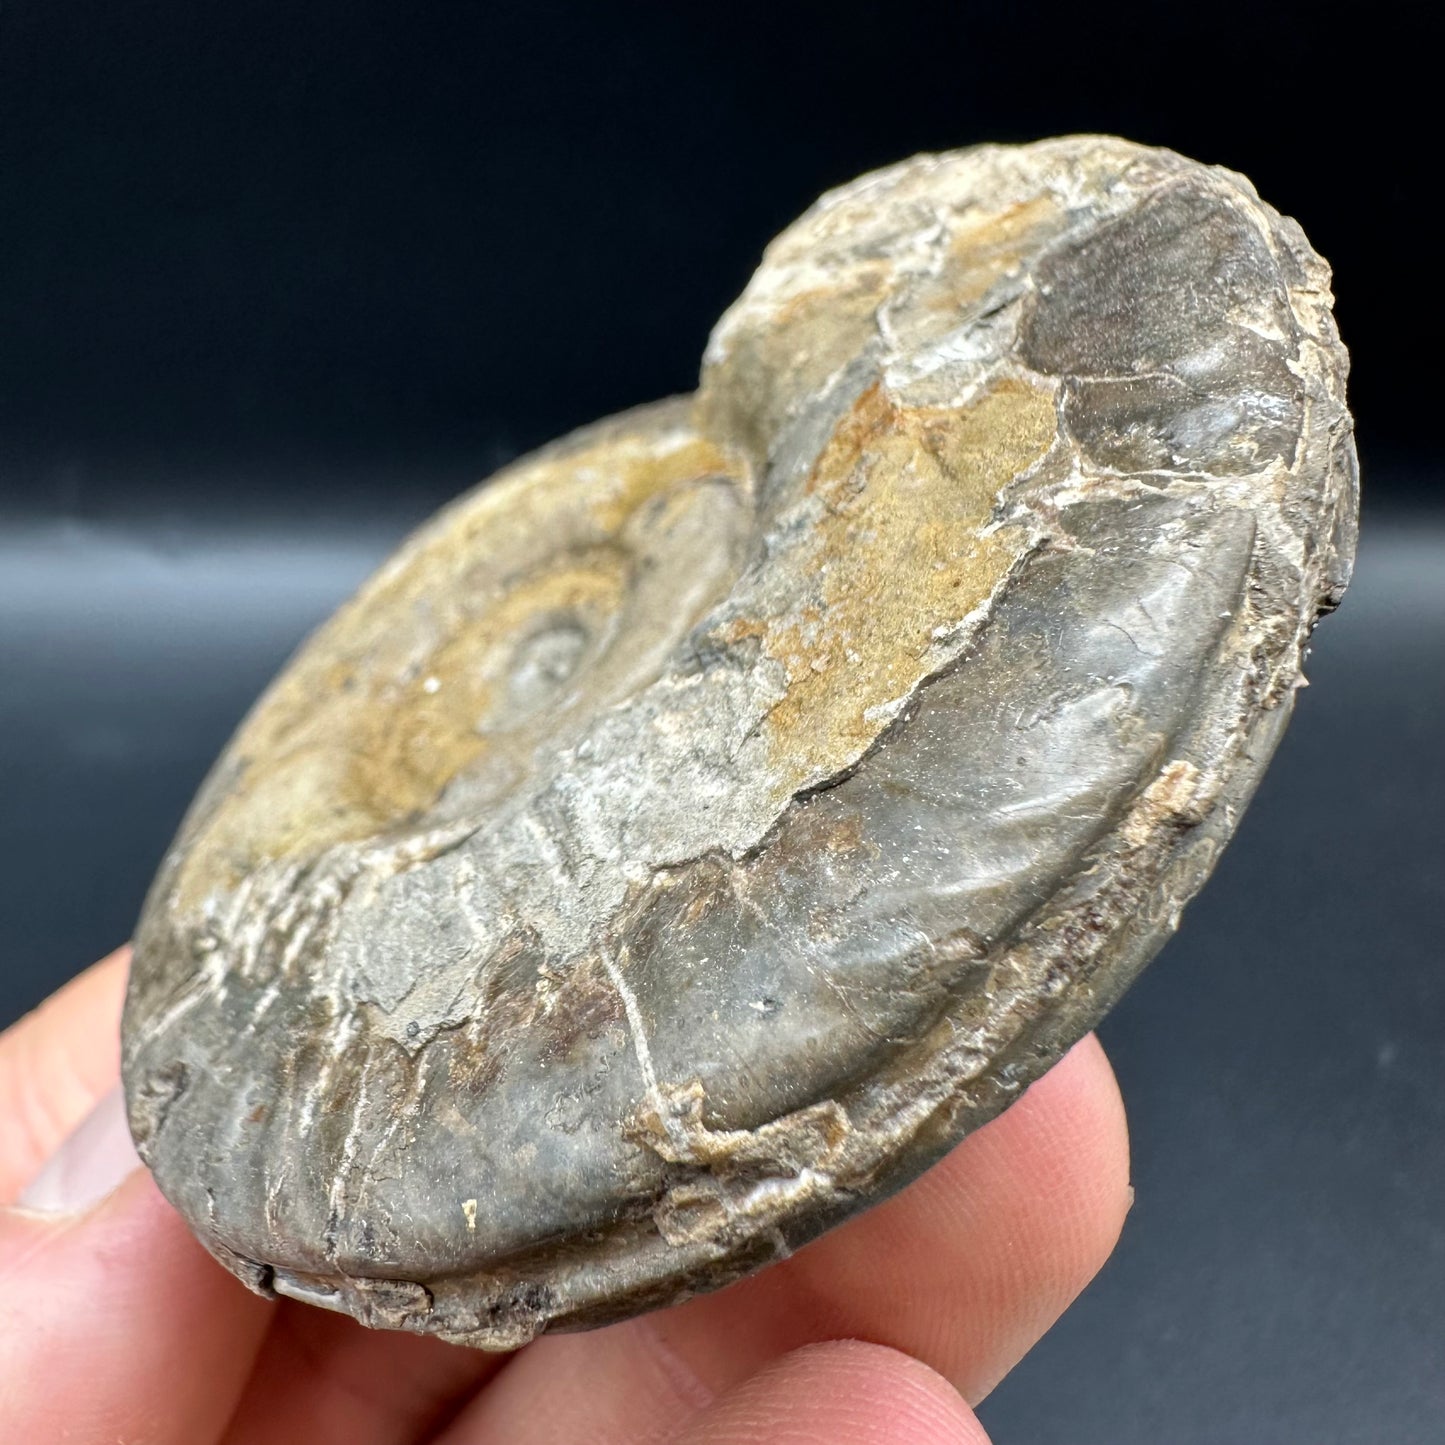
(276, 279)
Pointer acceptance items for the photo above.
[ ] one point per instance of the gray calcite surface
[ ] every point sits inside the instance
(691, 834)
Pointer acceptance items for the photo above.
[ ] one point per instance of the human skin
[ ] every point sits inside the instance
(116, 1326)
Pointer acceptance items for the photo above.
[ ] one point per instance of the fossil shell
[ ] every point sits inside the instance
(690, 835)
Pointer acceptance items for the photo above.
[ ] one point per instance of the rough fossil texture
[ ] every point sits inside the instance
(691, 834)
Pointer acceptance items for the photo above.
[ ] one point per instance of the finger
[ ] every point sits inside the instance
(323, 1378)
(114, 1323)
(968, 1267)
(316, 1372)
(839, 1394)
(55, 1063)
(618, 1386)
(963, 1270)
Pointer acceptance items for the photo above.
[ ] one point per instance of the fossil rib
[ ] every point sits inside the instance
(688, 836)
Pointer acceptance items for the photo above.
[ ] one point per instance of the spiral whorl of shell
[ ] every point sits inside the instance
(691, 833)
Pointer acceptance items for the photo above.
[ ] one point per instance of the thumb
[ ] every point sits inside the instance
(115, 1325)
(94, 1160)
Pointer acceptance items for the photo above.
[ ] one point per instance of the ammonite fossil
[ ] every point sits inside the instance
(692, 833)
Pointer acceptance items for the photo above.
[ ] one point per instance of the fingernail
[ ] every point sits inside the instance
(88, 1165)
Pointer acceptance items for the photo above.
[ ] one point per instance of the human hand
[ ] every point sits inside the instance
(116, 1326)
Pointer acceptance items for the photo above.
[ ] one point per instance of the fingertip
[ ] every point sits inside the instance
(1070, 1135)
(968, 1267)
(842, 1392)
(1066, 1144)
(1050, 1181)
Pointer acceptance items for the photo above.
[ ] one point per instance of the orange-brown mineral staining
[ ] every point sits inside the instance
(903, 551)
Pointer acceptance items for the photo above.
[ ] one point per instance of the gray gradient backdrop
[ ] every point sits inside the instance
(276, 280)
